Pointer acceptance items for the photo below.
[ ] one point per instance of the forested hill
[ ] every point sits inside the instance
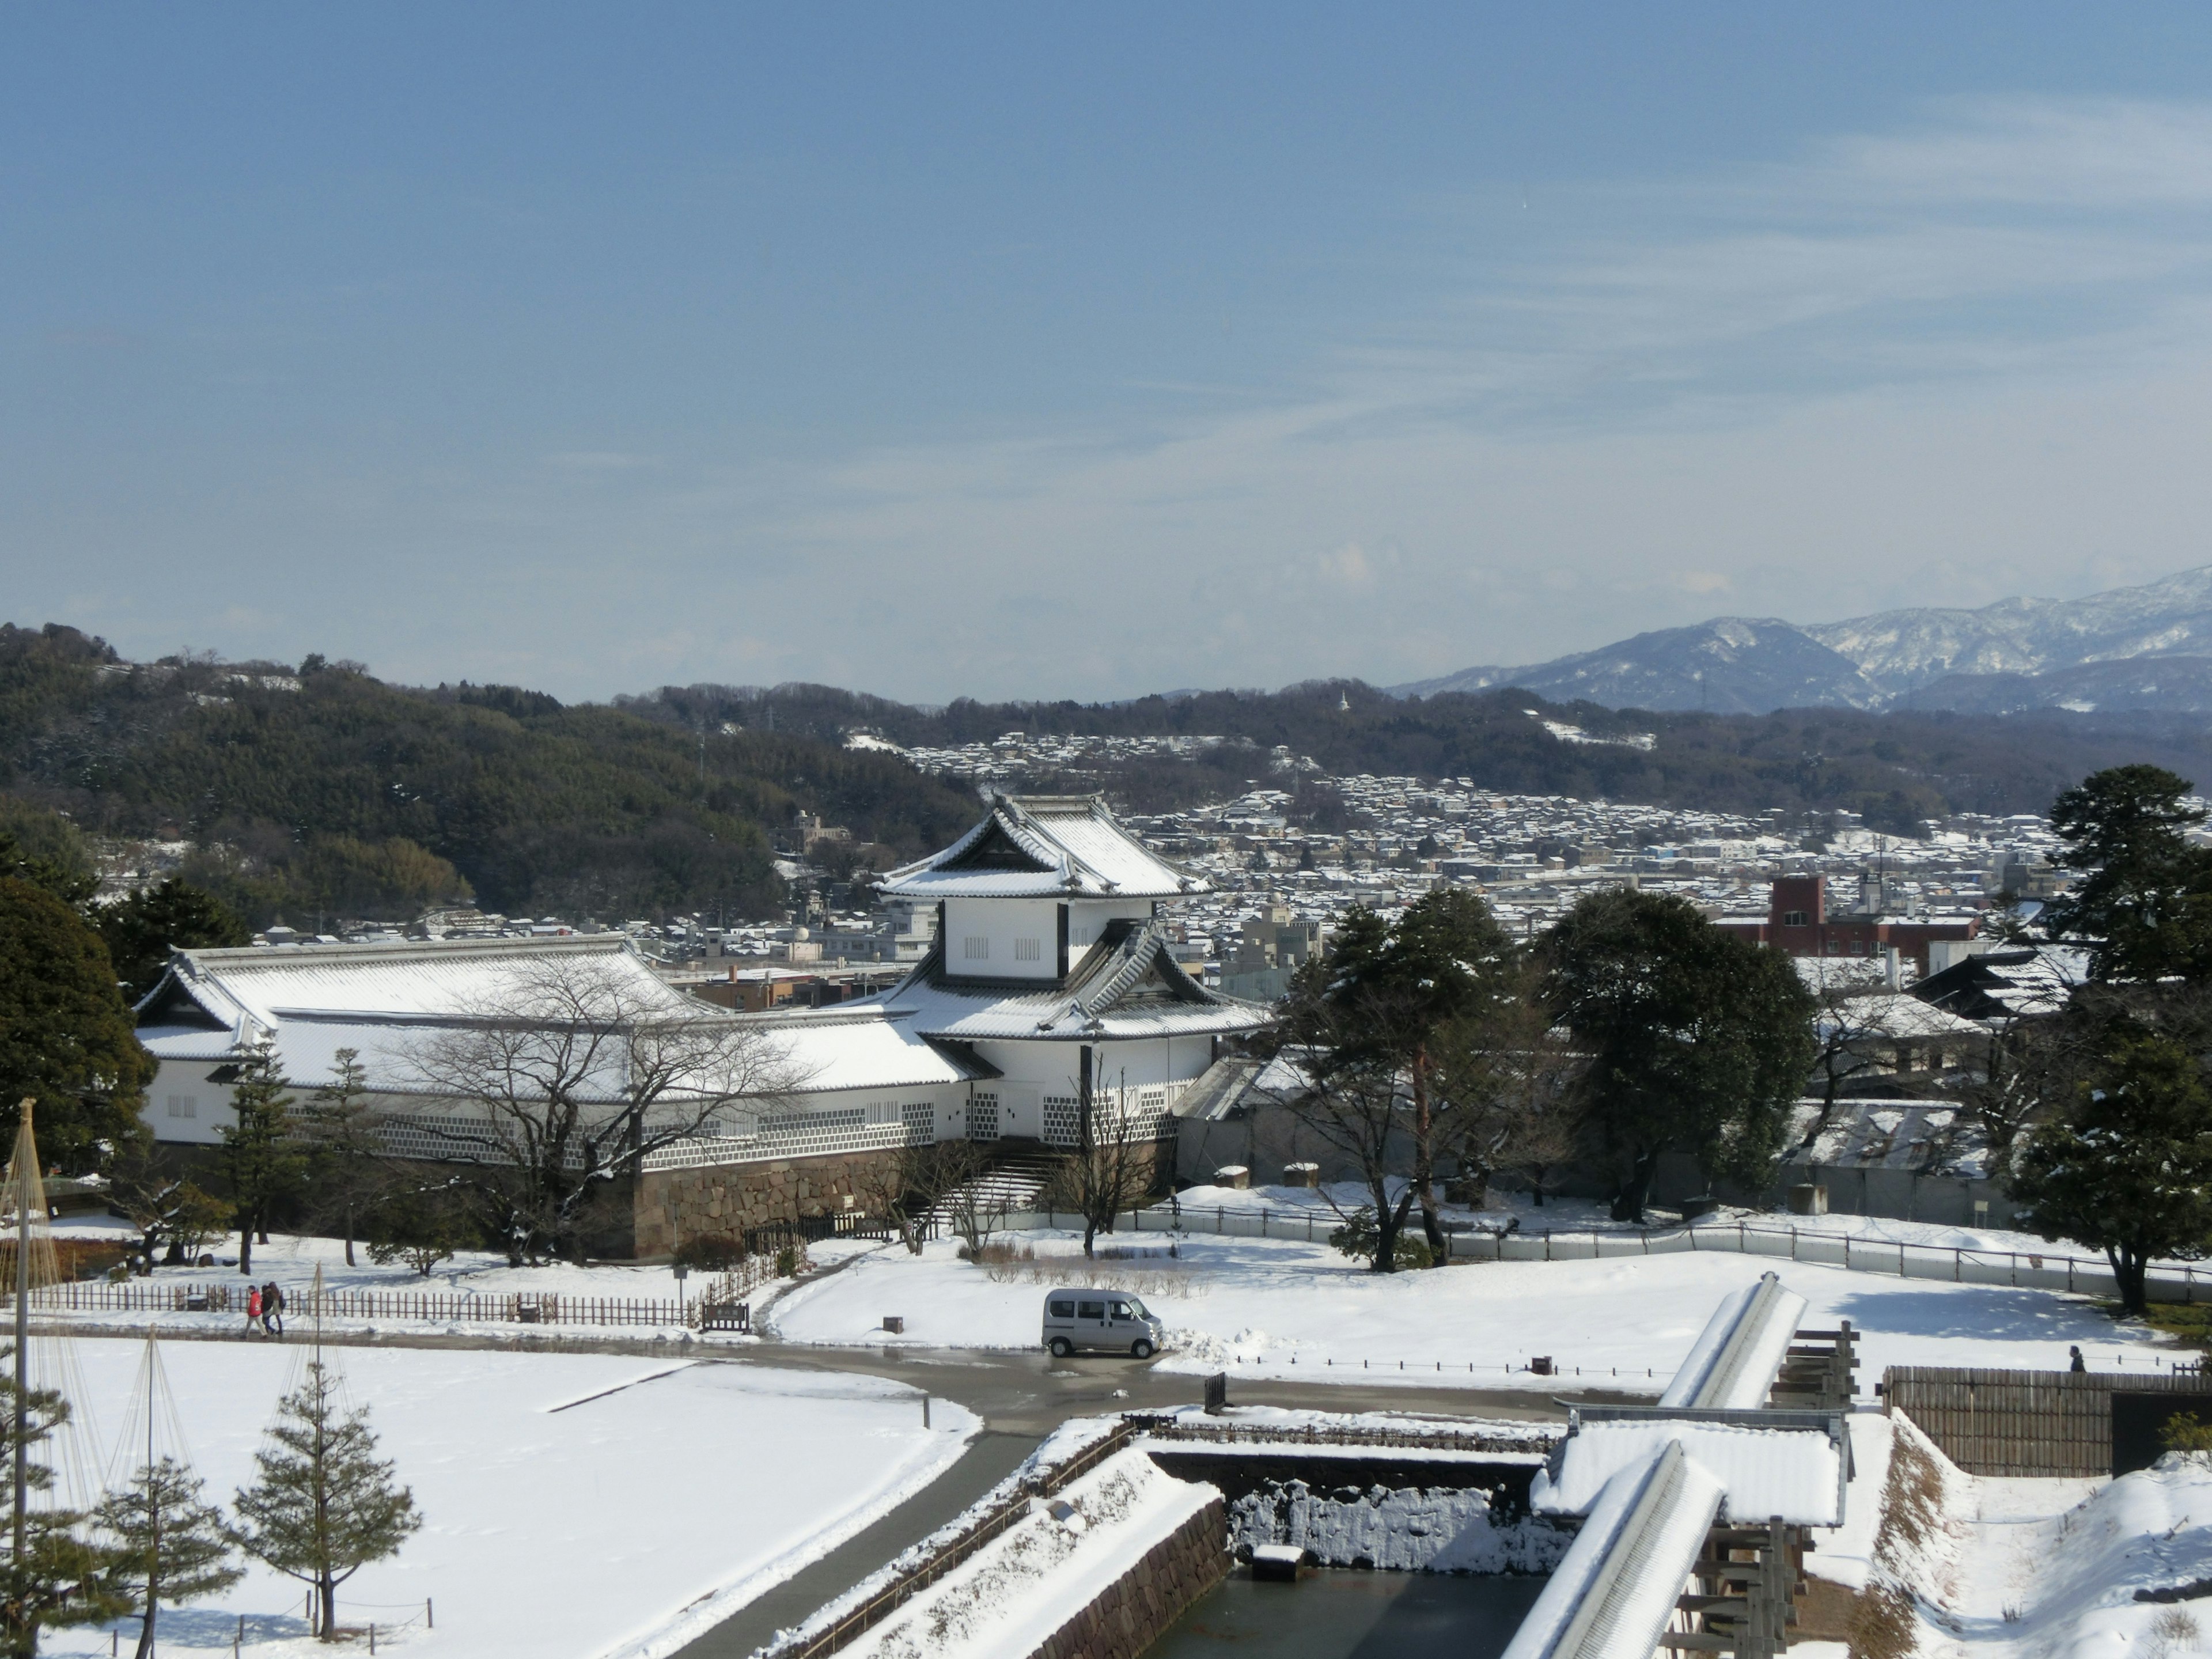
(321, 787)
(1896, 768)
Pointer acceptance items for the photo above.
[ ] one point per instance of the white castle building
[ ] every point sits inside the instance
(1050, 992)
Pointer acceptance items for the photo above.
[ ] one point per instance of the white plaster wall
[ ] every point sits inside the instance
(1001, 923)
(185, 1080)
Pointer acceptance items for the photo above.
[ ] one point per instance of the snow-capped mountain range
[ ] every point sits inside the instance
(2148, 648)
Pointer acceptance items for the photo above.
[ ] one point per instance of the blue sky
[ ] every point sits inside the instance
(1024, 351)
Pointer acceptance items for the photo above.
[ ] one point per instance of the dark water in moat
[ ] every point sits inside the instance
(1342, 1613)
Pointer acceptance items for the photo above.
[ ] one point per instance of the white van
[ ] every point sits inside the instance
(1105, 1321)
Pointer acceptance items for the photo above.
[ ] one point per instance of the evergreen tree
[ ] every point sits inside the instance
(338, 1132)
(141, 929)
(2128, 1170)
(421, 1226)
(1382, 1002)
(324, 1504)
(2144, 902)
(260, 1158)
(61, 868)
(1698, 1041)
(168, 1544)
(57, 1579)
(66, 1034)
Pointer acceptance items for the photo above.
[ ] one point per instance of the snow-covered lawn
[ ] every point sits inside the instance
(576, 1506)
(1279, 1308)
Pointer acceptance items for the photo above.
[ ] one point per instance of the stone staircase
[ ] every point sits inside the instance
(1017, 1175)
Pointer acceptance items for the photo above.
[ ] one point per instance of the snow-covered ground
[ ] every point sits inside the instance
(2021, 1569)
(1569, 1215)
(1281, 1308)
(576, 1506)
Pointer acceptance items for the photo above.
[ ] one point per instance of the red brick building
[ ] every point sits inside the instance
(1798, 921)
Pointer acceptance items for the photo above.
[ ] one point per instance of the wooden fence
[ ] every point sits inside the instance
(2013, 1423)
(430, 1307)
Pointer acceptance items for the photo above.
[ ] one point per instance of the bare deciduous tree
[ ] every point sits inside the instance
(1114, 1165)
(904, 1187)
(574, 1069)
(1360, 1107)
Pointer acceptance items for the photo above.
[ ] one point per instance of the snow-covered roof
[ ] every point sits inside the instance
(1615, 1589)
(859, 1047)
(385, 1002)
(450, 979)
(1794, 1472)
(2024, 984)
(1898, 1016)
(1043, 846)
(1927, 1137)
(1127, 985)
(1732, 1364)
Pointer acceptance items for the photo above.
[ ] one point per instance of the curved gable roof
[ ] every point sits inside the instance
(1043, 846)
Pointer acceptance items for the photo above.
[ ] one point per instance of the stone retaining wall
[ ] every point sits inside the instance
(1132, 1611)
(720, 1200)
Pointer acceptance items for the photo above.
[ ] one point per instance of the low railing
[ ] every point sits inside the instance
(715, 1309)
(1206, 1431)
(2167, 1281)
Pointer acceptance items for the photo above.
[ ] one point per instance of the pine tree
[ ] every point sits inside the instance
(324, 1505)
(56, 1579)
(260, 1157)
(339, 1129)
(169, 1545)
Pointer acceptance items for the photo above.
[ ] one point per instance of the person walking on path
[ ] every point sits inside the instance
(272, 1308)
(254, 1310)
(2079, 1363)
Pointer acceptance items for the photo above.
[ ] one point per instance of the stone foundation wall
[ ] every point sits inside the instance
(721, 1200)
(1132, 1611)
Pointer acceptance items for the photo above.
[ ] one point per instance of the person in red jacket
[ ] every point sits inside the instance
(253, 1311)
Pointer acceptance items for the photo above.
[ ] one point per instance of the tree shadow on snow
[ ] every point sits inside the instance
(1990, 1312)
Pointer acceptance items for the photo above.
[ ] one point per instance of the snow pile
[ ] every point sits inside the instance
(1007, 1599)
(1409, 1528)
(1793, 1472)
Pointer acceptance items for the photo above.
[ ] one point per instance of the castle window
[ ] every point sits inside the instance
(183, 1106)
(976, 947)
(1029, 950)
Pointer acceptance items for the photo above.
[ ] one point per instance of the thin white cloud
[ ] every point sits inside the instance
(1968, 357)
